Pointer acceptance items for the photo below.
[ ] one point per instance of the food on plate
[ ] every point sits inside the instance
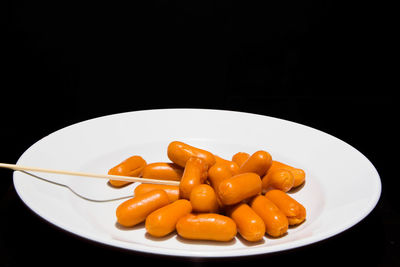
(294, 211)
(179, 153)
(276, 222)
(281, 179)
(195, 173)
(135, 210)
(233, 166)
(217, 173)
(249, 225)
(239, 187)
(204, 199)
(206, 226)
(163, 221)
(162, 171)
(240, 158)
(259, 163)
(132, 166)
(216, 198)
(298, 174)
(171, 190)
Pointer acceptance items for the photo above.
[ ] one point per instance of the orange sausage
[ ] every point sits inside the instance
(132, 166)
(162, 171)
(171, 190)
(239, 187)
(250, 226)
(294, 211)
(206, 226)
(135, 210)
(180, 153)
(195, 173)
(217, 173)
(298, 174)
(281, 179)
(204, 199)
(276, 223)
(240, 158)
(163, 221)
(259, 163)
(230, 164)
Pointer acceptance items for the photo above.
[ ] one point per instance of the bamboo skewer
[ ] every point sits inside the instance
(90, 175)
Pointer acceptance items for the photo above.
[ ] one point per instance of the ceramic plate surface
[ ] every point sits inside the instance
(342, 186)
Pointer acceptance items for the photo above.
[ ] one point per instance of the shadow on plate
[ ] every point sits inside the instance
(132, 228)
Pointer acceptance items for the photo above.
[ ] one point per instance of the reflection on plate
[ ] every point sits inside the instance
(341, 187)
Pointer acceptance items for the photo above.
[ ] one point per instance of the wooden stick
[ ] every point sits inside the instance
(91, 175)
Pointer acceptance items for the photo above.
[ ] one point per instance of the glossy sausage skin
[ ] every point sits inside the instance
(171, 190)
(132, 166)
(135, 210)
(206, 226)
(250, 226)
(217, 173)
(233, 166)
(259, 163)
(180, 153)
(281, 179)
(163, 221)
(298, 174)
(195, 173)
(294, 211)
(162, 171)
(240, 158)
(276, 223)
(239, 187)
(204, 199)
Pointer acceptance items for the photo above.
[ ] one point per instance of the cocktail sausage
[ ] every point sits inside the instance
(298, 174)
(250, 226)
(259, 163)
(240, 158)
(162, 171)
(206, 226)
(132, 166)
(233, 166)
(162, 221)
(135, 210)
(204, 199)
(217, 173)
(195, 173)
(294, 211)
(180, 153)
(239, 187)
(276, 223)
(281, 179)
(171, 190)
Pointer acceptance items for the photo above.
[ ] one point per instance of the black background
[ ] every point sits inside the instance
(319, 63)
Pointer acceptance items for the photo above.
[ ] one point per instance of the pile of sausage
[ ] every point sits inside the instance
(216, 198)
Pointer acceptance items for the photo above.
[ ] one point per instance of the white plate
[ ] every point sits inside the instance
(341, 187)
